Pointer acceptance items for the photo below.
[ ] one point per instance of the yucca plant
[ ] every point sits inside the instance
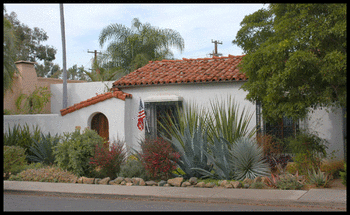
(226, 119)
(247, 158)
(191, 145)
(42, 150)
(320, 179)
(188, 117)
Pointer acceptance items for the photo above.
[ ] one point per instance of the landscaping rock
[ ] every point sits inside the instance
(129, 184)
(118, 180)
(247, 181)
(257, 179)
(97, 180)
(104, 181)
(128, 180)
(246, 186)
(80, 180)
(193, 180)
(228, 186)
(112, 182)
(223, 183)
(185, 184)
(176, 181)
(210, 185)
(136, 181)
(88, 180)
(236, 184)
(151, 183)
(161, 183)
(142, 182)
(123, 183)
(167, 185)
(200, 184)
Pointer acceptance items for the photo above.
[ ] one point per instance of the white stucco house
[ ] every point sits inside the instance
(112, 108)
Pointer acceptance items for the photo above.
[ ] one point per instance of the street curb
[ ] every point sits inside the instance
(277, 198)
(289, 203)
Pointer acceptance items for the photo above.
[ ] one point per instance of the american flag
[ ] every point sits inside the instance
(141, 116)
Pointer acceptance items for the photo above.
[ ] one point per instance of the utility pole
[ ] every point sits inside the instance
(215, 52)
(65, 100)
(97, 70)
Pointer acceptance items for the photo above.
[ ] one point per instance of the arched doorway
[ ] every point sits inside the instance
(99, 123)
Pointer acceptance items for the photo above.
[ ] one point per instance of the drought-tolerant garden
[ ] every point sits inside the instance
(212, 147)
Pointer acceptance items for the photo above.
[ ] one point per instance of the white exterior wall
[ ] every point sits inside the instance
(328, 125)
(76, 92)
(201, 94)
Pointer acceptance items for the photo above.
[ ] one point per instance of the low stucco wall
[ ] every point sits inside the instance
(112, 108)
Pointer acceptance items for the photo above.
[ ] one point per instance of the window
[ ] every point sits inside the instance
(284, 127)
(157, 112)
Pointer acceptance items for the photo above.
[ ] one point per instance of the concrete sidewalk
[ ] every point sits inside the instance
(314, 197)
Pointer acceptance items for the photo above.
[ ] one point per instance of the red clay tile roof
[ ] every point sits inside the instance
(216, 69)
(98, 98)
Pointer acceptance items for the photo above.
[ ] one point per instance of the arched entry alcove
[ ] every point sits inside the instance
(99, 123)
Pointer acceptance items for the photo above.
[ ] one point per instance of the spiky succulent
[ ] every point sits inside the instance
(247, 158)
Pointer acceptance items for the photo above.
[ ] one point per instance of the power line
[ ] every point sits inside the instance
(97, 70)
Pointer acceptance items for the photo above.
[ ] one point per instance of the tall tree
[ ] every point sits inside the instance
(295, 58)
(9, 51)
(132, 48)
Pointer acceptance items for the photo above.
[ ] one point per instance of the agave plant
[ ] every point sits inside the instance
(247, 158)
(191, 145)
(318, 178)
(43, 149)
(221, 158)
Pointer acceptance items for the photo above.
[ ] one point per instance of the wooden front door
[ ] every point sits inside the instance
(99, 123)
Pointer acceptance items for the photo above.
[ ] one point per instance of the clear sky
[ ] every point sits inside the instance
(198, 24)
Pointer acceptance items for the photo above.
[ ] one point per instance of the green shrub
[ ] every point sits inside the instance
(343, 175)
(308, 150)
(14, 160)
(289, 182)
(46, 174)
(75, 151)
(133, 168)
(43, 149)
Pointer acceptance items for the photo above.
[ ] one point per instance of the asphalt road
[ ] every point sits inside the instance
(45, 202)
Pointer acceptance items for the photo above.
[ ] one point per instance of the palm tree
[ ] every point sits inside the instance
(9, 55)
(132, 48)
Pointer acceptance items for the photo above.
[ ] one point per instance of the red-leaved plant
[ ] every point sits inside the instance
(159, 158)
(109, 160)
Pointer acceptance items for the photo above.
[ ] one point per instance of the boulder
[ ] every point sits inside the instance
(223, 183)
(97, 180)
(129, 184)
(228, 186)
(236, 184)
(257, 179)
(167, 185)
(151, 183)
(161, 183)
(88, 180)
(128, 180)
(142, 182)
(176, 181)
(247, 181)
(118, 180)
(104, 181)
(136, 181)
(210, 185)
(193, 180)
(80, 180)
(200, 184)
(123, 183)
(185, 184)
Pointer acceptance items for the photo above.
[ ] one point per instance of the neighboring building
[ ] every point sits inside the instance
(25, 83)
